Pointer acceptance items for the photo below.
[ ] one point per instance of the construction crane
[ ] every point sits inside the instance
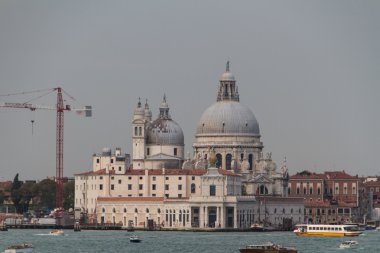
(60, 108)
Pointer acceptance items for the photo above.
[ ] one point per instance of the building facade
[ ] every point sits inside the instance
(329, 197)
(157, 187)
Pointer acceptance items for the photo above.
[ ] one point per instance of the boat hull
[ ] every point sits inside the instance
(268, 251)
(326, 234)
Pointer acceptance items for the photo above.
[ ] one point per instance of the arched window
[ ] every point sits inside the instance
(250, 159)
(136, 210)
(192, 188)
(228, 161)
(114, 210)
(147, 210)
(218, 163)
(140, 131)
(136, 131)
(103, 210)
(125, 210)
(263, 190)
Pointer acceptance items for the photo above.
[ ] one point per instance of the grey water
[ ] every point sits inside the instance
(167, 242)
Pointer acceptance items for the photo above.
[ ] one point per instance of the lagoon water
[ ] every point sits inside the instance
(166, 242)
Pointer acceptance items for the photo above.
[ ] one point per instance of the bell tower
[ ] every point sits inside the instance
(138, 137)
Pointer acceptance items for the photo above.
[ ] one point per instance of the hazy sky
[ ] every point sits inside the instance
(309, 71)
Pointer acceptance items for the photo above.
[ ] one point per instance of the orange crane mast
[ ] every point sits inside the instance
(59, 108)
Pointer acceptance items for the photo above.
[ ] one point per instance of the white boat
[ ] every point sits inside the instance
(134, 238)
(348, 244)
(20, 248)
(56, 232)
(326, 230)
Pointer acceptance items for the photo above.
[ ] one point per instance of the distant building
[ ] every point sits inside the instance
(330, 197)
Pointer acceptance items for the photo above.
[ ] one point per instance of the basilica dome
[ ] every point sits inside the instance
(228, 117)
(164, 132)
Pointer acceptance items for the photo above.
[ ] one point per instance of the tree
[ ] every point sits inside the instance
(45, 194)
(68, 195)
(15, 193)
(27, 192)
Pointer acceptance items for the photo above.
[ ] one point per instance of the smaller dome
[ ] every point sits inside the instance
(165, 132)
(106, 151)
(227, 76)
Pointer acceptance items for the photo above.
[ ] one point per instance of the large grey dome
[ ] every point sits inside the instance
(228, 117)
(164, 132)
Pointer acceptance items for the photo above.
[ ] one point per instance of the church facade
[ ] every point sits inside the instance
(217, 188)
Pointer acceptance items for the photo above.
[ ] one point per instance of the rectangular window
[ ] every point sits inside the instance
(153, 195)
(119, 181)
(153, 187)
(179, 178)
(175, 151)
(111, 160)
(100, 187)
(212, 190)
(179, 196)
(154, 179)
(97, 160)
(140, 186)
(166, 187)
(166, 195)
(112, 187)
(129, 187)
(140, 178)
(129, 178)
(101, 177)
(148, 151)
(179, 187)
(119, 168)
(166, 178)
(140, 195)
(192, 178)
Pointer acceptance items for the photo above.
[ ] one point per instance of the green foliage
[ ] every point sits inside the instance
(68, 195)
(41, 195)
(15, 194)
(45, 194)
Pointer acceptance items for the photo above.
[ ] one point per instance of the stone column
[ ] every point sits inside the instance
(217, 223)
(222, 216)
(201, 217)
(235, 217)
(206, 216)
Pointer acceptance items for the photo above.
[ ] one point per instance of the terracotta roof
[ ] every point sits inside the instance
(5, 184)
(308, 175)
(338, 175)
(130, 199)
(372, 183)
(158, 172)
(98, 172)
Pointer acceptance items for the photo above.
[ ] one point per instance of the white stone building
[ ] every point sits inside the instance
(158, 187)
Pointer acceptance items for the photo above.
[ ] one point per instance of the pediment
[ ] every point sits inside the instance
(261, 179)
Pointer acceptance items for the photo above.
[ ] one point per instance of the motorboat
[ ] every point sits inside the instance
(267, 247)
(134, 238)
(348, 244)
(261, 228)
(326, 230)
(56, 232)
(20, 248)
